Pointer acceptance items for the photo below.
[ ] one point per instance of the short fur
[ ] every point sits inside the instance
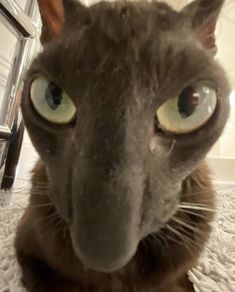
(109, 183)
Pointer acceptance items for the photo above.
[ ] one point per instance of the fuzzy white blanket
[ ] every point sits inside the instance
(215, 272)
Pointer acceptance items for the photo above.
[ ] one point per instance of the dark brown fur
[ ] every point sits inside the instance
(147, 56)
(158, 265)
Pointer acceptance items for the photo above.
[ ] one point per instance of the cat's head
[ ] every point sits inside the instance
(122, 104)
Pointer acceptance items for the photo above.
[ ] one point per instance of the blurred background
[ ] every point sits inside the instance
(19, 42)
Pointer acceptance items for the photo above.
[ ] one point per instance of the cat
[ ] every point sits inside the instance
(122, 105)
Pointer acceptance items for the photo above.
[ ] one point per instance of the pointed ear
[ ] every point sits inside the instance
(203, 15)
(52, 15)
(56, 14)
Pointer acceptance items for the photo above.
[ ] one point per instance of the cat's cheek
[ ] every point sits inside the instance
(168, 203)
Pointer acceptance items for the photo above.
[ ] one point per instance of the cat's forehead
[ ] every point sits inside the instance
(124, 40)
(131, 10)
(126, 28)
(120, 20)
(120, 25)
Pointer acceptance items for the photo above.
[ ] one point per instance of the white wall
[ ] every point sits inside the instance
(226, 56)
(222, 156)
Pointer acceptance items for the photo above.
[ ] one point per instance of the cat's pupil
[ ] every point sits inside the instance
(53, 95)
(188, 102)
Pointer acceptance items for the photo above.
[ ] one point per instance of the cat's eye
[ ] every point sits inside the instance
(51, 102)
(189, 111)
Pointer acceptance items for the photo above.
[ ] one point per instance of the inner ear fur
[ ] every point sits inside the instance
(203, 16)
(52, 15)
(58, 14)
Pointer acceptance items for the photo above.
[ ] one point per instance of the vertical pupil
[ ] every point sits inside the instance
(53, 95)
(188, 102)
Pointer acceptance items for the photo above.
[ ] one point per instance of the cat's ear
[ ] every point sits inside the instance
(52, 15)
(56, 14)
(203, 15)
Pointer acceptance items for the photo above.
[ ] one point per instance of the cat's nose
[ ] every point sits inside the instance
(105, 240)
(104, 252)
(105, 237)
(106, 221)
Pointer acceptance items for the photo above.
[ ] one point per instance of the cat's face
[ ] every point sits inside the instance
(121, 107)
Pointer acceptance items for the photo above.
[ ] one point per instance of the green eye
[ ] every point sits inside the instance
(51, 102)
(189, 111)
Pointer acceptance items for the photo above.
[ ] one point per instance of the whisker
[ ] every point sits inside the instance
(39, 192)
(37, 189)
(25, 180)
(7, 209)
(42, 205)
(52, 215)
(192, 213)
(46, 185)
(163, 239)
(18, 191)
(171, 148)
(188, 235)
(27, 194)
(191, 193)
(16, 188)
(173, 230)
(181, 236)
(189, 226)
(197, 204)
(197, 208)
(189, 242)
(173, 239)
(159, 238)
(57, 227)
